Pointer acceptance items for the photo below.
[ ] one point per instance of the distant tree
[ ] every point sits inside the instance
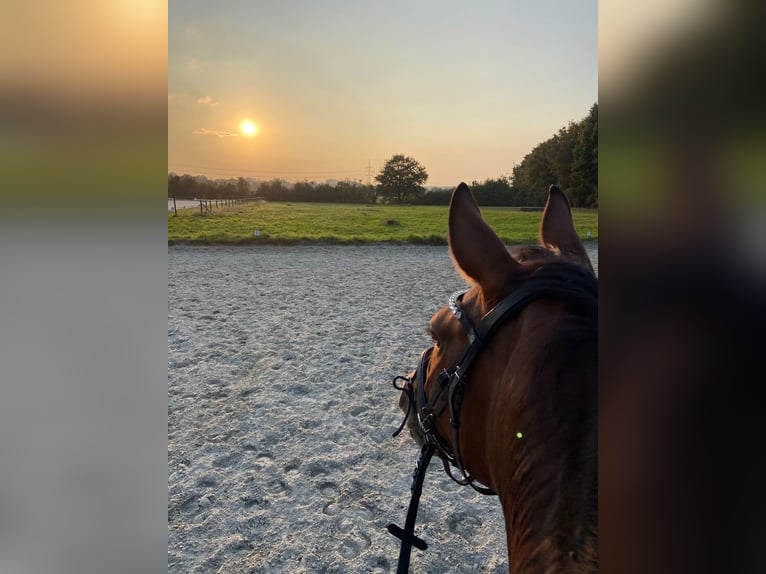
(273, 190)
(533, 176)
(174, 185)
(189, 187)
(569, 159)
(351, 192)
(559, 153)
(495, 191)
(302, 191)
(584, 176)
(438, 196)
(243, 188)
(372, 192)
(226, 189)
(401, 179)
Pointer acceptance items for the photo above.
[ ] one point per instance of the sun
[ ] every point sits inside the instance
(248, 128)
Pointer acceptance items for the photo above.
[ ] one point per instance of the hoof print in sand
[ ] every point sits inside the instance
(466, 526)
(249, 501)
(329, 489)
(331, 509)
(227, 461)
(278, 486)
(351, 547)
(365, 512)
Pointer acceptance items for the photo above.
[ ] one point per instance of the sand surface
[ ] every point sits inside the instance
(281, 409)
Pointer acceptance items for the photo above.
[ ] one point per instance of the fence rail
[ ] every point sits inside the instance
(208, 204)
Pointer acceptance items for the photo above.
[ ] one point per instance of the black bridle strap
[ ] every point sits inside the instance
(583, 292)
(407, 534)
(479, 334)
(405, 388)
(452, 381)
(538, 287)
(429, 409)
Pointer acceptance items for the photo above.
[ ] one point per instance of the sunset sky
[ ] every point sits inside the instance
(330, 87)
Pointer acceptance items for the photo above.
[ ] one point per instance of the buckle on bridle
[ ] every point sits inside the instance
(453, 300)
(427, 424)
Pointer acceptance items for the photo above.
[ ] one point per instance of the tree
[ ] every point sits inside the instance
(273, 190)
(243, 187)
(585, 163)
(189, 187)
(174, 185)
(495, 191)
(401, 179)
(559, 153)
(534, 174)
(569, 159)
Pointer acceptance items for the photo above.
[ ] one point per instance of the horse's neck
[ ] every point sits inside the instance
(544, 558)
(548, 488)
(535, 547)
(550, 507)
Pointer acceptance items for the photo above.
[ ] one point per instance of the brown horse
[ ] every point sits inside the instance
(517, 411)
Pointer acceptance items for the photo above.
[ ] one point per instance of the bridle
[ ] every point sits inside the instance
(449, 393)
(579, 290)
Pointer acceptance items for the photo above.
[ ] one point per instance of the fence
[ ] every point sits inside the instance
(207, 205)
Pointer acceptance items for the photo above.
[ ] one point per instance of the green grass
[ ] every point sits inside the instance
(288, 223)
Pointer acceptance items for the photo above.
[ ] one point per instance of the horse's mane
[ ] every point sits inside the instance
(571, 407)
(577, 288)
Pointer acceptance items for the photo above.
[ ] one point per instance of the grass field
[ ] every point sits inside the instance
(286, 223)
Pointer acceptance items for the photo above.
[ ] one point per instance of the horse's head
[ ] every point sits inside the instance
(508, 390)
(493, 272)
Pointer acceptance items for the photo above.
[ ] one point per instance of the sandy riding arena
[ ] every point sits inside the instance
(281, 409)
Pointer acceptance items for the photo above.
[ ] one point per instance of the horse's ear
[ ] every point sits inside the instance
(478, 253)
(557, 227)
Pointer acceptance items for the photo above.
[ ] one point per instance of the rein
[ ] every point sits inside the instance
(579, 290)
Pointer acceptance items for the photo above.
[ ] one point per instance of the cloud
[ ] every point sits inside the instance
(218, 133)
(192, 65)
(207, 100)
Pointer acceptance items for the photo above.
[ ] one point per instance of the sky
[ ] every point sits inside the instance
(334, 88)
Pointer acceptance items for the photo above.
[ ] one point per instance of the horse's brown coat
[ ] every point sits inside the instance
(546, 480)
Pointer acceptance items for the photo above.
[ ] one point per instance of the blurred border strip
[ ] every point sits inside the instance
(83, 104)
(83, 286)
(682, 177)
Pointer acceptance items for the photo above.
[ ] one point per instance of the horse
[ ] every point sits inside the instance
(507, 394)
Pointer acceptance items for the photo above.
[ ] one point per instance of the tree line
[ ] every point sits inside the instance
(190, 187)
(568, 159)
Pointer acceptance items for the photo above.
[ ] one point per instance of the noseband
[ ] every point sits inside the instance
(450, 389)
(579, 290)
